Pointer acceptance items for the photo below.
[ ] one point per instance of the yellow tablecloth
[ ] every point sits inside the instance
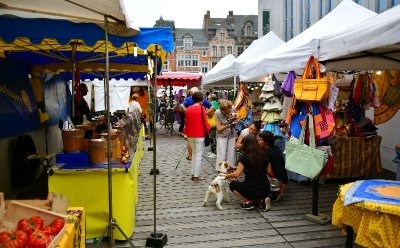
(375, 225)
(89, 188)
(74, 235)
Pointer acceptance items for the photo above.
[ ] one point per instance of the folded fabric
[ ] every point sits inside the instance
(373, 191)
(266, 95)
(272, 105)
(273, 128)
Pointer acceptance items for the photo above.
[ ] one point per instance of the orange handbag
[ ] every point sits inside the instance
(308, 89)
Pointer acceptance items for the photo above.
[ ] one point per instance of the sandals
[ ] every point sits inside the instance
(196, 179)
(189, 158)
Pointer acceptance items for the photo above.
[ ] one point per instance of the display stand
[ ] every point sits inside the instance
(316, 217)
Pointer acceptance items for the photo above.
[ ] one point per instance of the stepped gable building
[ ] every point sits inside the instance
(198, 50)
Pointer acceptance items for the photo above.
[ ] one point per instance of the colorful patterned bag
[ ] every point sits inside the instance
(324, 122)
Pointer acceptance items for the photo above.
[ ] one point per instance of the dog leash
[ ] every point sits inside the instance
(267, 220)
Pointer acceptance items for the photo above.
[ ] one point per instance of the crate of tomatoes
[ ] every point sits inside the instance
(26, 226)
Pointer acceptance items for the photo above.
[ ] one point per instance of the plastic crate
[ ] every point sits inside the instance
(17, 210)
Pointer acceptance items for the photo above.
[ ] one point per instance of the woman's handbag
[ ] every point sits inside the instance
(308, 89)
(305, 160)
(207, 139)
(324, 122)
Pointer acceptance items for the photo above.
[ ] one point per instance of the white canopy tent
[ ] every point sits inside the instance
(230, 69)
(294, 54)
(222, 70)
(77, 11)
(372, 44)
(119, 93)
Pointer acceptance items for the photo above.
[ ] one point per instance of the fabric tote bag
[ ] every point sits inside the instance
(302, 159)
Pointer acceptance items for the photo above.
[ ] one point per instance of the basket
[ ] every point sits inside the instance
(73, 140)
(17, 210)
(98, 151)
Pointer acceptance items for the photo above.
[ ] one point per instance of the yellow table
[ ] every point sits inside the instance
(375, 224)
(89, 188)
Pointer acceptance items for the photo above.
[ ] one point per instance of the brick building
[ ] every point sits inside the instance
(198, 50)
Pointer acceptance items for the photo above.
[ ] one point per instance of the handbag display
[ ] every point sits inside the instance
(305, 160)
(207, 139)
(308, 89)
(324, 122)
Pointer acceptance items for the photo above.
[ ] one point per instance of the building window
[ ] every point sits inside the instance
(239, 50)
(308, 14)
(214, 51)
(286, 20)
(187, 42)
(188, 60)
(229, 49)
(214, 63)
(181, 60)
(222, 36)
(166, 66)
(204, 67)
(291, 19)
(360, 2)
(302, 16)
(248, 31)
(266, 22)
(381, 6)
(195, 60)
(322, 8)
(204, 52)
(222, 51)
(330, 6)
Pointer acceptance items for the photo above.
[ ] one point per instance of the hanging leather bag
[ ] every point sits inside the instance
(309, 89)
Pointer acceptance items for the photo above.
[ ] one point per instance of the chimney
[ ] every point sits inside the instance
(229, 18)
(206, 21)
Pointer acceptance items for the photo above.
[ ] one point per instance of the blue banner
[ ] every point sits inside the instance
(18, 109)
(55, 95)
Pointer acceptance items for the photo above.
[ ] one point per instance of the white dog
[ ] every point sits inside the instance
(219, 187)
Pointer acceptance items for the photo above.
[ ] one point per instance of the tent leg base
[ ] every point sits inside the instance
(321, 218)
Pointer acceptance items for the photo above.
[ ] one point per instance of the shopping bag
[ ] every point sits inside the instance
(324, 122)
(305, 160)
(310, 89)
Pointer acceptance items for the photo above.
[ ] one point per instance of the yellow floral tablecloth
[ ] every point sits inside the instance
(375, 225)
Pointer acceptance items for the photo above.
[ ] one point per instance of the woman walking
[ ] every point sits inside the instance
(195, 122)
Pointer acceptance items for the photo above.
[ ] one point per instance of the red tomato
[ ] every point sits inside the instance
(39, 239)
(16, 239)
(57, 224)
(29, 226)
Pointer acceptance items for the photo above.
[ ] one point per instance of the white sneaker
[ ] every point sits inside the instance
(212, 155)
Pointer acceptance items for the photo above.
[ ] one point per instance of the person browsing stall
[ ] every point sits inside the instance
(194, 130)
(266, 141)
(134, 105)
(255, 165)
(225, 120)
(253, 129)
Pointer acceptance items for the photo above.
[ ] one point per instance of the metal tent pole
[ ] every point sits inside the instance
(112, 222)
(156, 239)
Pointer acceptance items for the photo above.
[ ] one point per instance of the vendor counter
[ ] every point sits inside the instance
(356, 157)
(86, 185)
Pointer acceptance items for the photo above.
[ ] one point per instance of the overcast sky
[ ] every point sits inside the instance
(188, 13)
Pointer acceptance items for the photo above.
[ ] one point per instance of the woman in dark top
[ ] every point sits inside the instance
(255, 165)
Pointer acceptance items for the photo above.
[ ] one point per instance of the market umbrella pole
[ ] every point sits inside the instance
(156, 239)
(112, 222)
(150, 113)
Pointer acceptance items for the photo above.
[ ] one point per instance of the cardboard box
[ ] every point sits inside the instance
(18, 210)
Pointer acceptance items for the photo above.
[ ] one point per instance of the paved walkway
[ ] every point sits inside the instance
(187, 223)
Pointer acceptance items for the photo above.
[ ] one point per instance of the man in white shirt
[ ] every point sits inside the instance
(134, 105)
